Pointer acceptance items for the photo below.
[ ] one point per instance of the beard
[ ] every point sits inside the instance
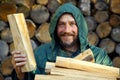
(68, 44)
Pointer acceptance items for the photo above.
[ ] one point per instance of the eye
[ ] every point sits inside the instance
(72, 24)
(61, 24)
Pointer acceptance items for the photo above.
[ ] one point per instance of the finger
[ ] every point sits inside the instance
(20, 59)
(19, 55)
(20, 64)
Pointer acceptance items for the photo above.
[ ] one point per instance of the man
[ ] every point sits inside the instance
(68, 31)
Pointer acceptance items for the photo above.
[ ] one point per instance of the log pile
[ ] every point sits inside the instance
(103, 24)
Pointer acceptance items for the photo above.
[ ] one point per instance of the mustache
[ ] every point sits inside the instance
(67, 34)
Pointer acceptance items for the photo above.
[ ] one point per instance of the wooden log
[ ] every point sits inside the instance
(34, 45)
(39, 14)
(116, 62)
(31, 27)
(115, 6)
(52, 5)
(4, 49)
(108, 45)
(93, 38)
(5, 9)
(101, 16)
(114, 20)
(42, 2)
(80, 74)
(101, 5)
(42, 33)
(117, 49)
(115, 34)
(86, 66)
(84, 5)
(27, 3)
(67, 1)
(22, 40)
(6, 35)
(95, 1)
(12, 47)
(6, 66)
(23, 9)
(91, 23)
(103, 29)
(2, 25)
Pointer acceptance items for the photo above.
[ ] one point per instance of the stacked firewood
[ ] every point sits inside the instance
(102, 17)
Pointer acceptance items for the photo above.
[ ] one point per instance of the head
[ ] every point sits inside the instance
(68, 25)
(67, 30)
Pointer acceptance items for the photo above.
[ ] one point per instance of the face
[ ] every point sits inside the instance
(67, 30)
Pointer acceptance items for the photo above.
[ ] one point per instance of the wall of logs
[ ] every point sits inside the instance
(102, 17)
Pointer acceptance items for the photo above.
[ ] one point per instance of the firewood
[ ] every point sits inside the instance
(114, 20)
(6, 66)
(93, 38)
(116, 62)
(34, 45)
(108, 45)
(115, 34)
(12, 47)
(115, 6)
(6, 35)
(101, 16)
(91, 23)
(52, 5)
(27, 3)
(84, 6)
(22, 40)
(31, 27)
(2, 25)
(39, 14)
(66, 1)
(4, 49)
(103, 29)
(100, 5)
(5, 9)
(42, 33)
(117, 49)
(23, 9)
(86, 66)
(42, 2)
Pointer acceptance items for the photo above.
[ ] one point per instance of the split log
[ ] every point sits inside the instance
(101, 16)
(2, 25)
(34, 45)
(93, 38)
(12, 47)
(117, 49)
(66, 1)
(91, 23)
(42, 33)
(86, 66)
(95, 1)
(22, 40)
(39, 14)
(31, 27)
(42, 2)
(101, 5)
(1, 77)
(115, 34)
(116, 62)
(5, 9)
(84, 5)
(103, 29)
(23, 9)
(115, 6)
(6, 35)
(4, 49)
(6, 66)
(80, 74)
(114, 20)
(52, 5)
(108, 45)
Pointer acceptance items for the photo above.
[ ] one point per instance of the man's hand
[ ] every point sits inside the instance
(18, 60)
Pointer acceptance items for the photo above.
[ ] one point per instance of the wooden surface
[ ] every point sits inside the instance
(22, 40)
(86, 66)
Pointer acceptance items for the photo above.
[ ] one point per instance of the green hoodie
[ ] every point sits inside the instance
(49, 51)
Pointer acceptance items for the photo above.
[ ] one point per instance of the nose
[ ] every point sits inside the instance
(67, 28)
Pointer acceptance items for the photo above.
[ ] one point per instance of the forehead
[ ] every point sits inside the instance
(66, 17)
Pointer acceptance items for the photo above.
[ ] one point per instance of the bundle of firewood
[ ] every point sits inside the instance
(73, 69)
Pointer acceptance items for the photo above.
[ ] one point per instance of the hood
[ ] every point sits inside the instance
(80, 21)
